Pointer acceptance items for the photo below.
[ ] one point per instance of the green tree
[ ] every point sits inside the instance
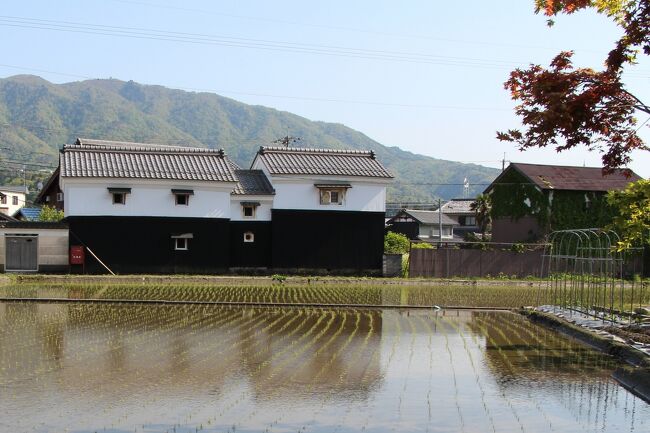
(632, 222)
(396, 243)
(564, 107)
(50, 214)
(483, 208)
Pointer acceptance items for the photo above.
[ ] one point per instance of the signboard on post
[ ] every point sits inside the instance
(77, 255)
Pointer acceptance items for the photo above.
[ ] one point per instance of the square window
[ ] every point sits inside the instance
(249, 237)
(181, 244)
(332, 196)
(249, 211)
(119, 198)
(59, 196)
(182, 199)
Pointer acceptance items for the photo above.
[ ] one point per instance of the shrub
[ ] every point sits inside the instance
(396, 243)
(422, 246)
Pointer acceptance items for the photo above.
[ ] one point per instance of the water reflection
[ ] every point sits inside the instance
(161, 368)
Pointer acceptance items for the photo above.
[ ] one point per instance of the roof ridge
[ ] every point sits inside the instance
(128, 146)
(279, 149)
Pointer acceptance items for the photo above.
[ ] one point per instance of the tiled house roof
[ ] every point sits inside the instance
(99, 158)
(252, 182)
(458, 206)
(321, 162)
(428, 217)
(553, 177)
(14, 189)
(28, 214)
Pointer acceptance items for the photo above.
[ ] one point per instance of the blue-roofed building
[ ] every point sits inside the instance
(28, 214)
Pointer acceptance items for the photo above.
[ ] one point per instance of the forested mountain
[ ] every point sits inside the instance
(37, 117)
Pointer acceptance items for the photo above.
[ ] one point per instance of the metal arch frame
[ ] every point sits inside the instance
(584, 272)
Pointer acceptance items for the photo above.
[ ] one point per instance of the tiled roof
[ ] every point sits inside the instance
(458, 206)
(115, 159)
(4, 217)
(321, 162)
(28, 213)
(252, 182)
(572, 178)
(430, 217)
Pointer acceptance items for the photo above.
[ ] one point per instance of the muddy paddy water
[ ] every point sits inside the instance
(83, 367)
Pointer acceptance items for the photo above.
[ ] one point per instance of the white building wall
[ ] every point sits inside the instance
(9, 208)
(302, 194)
(262, 213)
(90, 197)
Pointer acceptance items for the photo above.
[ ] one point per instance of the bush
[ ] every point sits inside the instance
(422, 246)
(396, 243)
(50, 214)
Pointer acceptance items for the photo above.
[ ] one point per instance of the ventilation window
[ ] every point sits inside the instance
(249, 237)
(248, 209)
(119, 194)
(332, 194)
(182, 196)
(182, 241)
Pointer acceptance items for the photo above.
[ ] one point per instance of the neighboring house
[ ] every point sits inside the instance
(460, 210)
(162, 209)
(28, 214)
(530, 200)
(329, 207)
(423, 225)
(12, 198)
(51, 194)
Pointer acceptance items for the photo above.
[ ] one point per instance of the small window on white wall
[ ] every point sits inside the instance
(249, 237)
(332, 194)
(182, 196)
(248, 209)
(118, 194)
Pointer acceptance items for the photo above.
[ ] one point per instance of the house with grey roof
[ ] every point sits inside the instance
(329, 207)
(423, 225)
(164, 209)
(531, 200)
(460, 210)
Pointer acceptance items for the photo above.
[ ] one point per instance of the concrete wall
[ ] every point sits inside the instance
(52, 247)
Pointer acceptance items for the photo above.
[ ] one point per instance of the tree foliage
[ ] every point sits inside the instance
(633, 220)
(396, 243)
(565, 107)
(482, 206)
(50, 214)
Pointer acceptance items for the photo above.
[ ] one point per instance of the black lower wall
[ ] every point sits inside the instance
(330, 240)
(145, 245)
(255, 254)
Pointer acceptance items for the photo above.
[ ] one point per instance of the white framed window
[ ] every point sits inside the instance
(249, 237)
(182, 196)
(249, 209)
(118, 194)
(119, 198)
(181, 244)
(59, 196)
(47, 199)
(182, 241)
(329, 196)
(14, 200)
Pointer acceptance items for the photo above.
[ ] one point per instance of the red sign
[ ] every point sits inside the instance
(77, 255)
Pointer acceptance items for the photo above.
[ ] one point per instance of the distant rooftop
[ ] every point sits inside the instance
(118, 159)
(28, 214)
(15, 189)
(555, 177)
(323, 162)
(458, 206)
(428, 217)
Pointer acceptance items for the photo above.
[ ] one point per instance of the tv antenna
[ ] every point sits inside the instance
(287, 140)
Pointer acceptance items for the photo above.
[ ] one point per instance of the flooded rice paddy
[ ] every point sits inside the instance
(84, 367)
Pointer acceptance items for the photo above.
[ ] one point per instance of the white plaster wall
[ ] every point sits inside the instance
(90, 197)
(9, 206)
(302, 194)
(263, 212)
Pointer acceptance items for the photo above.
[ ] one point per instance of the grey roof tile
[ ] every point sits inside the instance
(252, 182)
(458, 206)
(99, 158)
(429, 217)
(322, 162)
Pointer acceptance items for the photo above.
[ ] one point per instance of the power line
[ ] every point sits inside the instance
(260, 44)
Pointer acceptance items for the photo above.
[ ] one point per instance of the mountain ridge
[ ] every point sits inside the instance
(37, 117)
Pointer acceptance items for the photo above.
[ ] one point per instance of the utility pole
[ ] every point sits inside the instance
(503, 162)
(440, 222)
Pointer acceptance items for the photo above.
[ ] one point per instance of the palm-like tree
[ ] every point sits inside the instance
(482, 206)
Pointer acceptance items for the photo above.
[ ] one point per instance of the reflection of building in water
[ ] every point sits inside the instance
(321, 349)
(122, 349)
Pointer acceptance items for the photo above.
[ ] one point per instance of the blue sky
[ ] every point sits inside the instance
(424, 76)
